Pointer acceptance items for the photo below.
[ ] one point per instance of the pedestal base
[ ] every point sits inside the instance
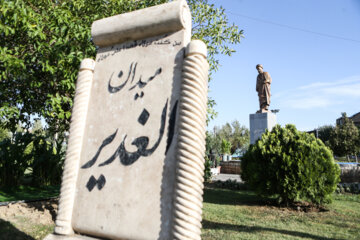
(259, 122)
(69, 237)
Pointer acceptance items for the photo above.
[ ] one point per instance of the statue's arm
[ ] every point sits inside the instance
(267, 77)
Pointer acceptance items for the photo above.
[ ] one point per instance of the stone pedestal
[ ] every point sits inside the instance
(259, 122)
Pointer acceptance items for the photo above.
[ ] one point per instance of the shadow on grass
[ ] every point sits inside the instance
(233, 197)
(28, 193)
(253, 229)
(8, 231)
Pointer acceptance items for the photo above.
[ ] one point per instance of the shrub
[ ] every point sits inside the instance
(48, 160)
(40, 158)
(207, 170)
(15, 158)
(292, 166)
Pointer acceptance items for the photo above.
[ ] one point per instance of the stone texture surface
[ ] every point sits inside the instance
(115, 199)
(70, 237)
(148, 22)
(126, 175)
(259, 122)
(141, 139)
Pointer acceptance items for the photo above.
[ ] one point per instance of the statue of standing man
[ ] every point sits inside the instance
(263, 82)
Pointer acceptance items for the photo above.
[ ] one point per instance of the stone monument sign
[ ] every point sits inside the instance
(263, 119)
(134, 163)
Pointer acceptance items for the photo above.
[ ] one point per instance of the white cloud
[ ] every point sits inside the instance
(321, 94)
(352, 90)
(352, 79)
(309, 102)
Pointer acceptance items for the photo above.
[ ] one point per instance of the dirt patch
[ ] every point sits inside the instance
(42, 212)
(307, 207)
(294, 207)
(27, 221)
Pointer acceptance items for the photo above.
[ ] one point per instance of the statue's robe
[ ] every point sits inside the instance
(263, 82)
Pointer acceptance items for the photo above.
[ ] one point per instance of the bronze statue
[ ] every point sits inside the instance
(263, 82)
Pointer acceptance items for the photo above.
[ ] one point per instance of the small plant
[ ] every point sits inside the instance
(218, 160)
(292, 166)
(207, 170)
(225, 147)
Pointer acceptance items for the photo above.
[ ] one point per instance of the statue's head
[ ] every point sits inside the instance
(259, 67)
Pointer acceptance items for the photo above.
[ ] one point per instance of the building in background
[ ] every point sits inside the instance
(355, 118)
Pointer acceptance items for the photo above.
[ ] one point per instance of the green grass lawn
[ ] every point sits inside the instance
(231, 215)
(28, 193)
(227, 214)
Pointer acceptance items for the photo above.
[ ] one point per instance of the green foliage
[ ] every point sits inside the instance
(28, 193)
(235, 133)
(48, 159)
(240, 137)
(211, 25)
(345, 138)
(35, 153)
(291, 165)
(15, 158)
(210, 143)
(324, 133)
(353, 188)
(43, 42)
(4, 133)
(225, 147)
(207, 171)
(217, 161)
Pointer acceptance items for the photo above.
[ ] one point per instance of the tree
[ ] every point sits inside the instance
(345, 138)
(225, 132)
(34, 151)
(236, 134)
(212, 144)
(291, 165)
(240, 138)
(42, 44)
(324, 133)
(15, 158)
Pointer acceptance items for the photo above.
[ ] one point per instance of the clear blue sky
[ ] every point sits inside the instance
(315, 70)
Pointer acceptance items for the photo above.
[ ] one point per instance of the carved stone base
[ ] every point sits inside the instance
(68, 237)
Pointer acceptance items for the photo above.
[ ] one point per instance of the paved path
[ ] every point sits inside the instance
(224, 177)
